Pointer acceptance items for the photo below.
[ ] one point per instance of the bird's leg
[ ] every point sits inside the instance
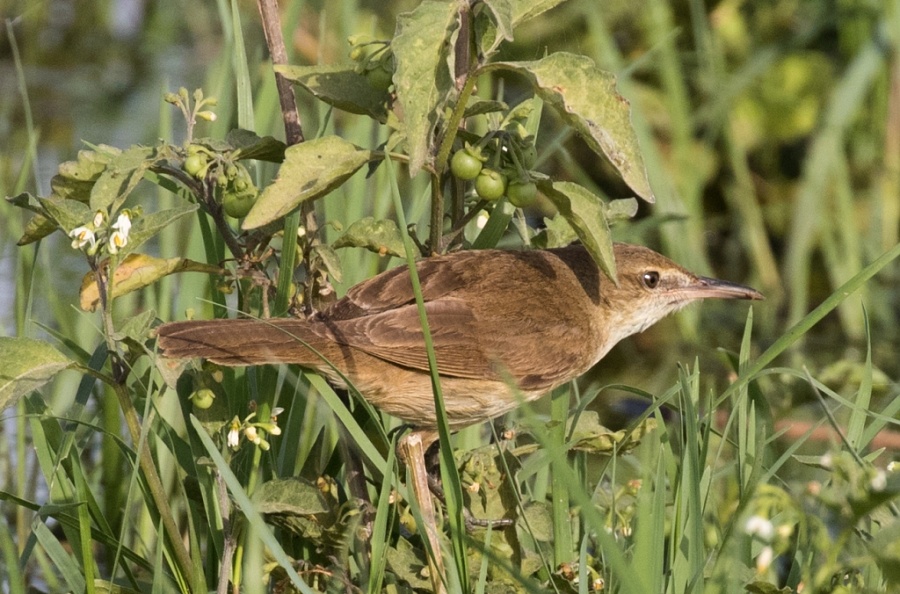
(412, 451)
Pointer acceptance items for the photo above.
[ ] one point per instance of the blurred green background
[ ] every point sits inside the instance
(770, 128)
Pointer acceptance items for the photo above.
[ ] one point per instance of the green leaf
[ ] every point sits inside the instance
(494, 25)
(341, 87)
(537, 520)
(758, 587)
(624, 208)
(107, 587)
(557, 232)
(26, 365)
(481, 106)
(292, 496)
(122, 175)
(71, 189)
(38, 227)
(408, 563)
(586, 213)
(75, 179)
(589, 435)
(253, 146)
(331, 261)
(68, 214)
(26, 201)
(381, 237)
(585, 97)
(137, 271)
(149, 225)
(885, 547)
(524, 10)
(310, 170)
(423, 79)
(136, 327)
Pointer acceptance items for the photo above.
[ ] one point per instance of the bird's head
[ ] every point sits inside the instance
(652, 286)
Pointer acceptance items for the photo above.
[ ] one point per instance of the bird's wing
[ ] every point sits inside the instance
(438, 276)
(396, 336)
(493, 322)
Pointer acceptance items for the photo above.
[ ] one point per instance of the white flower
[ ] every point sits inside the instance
(234, 434)
(272, 426)
(759, 526)
(81, 236)
(117, 241)
(879, 481)
(123, 222)
(99, 216)
(764, 559)
(119, 237)
(251, 435)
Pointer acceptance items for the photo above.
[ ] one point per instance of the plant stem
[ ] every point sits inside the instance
(117, 382)
(437, 215)
(293, 131)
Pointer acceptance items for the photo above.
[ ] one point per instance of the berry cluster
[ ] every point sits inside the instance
(499, 166)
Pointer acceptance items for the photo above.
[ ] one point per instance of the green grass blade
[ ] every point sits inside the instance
(563, 545)
(449, 473)
(64, 562)
(858, 414)
(10, 573)
(243, 502)
(810, 320)
(383, 515)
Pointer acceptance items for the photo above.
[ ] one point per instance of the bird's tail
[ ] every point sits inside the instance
(243, 342)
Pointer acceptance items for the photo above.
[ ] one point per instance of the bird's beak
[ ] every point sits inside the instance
(713, 288)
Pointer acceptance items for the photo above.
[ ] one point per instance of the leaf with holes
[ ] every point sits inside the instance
(310, 170)
(341, 87)
(423, 79)
(381, 237)
(585, 97)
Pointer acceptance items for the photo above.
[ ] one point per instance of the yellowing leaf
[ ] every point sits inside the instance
(137, 271)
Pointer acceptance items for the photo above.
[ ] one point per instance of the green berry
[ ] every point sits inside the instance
(238, 204)
(521, 194)
(380, 78)
(464, 165)
(490, 184)
(203, 398)
(195, 165)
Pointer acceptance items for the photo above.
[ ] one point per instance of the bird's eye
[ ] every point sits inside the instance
(651, 279)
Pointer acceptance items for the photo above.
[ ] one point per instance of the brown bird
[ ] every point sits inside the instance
(506, 326)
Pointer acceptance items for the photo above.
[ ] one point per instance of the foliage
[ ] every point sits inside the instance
(228, 477)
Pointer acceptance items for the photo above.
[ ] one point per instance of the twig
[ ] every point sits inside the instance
(293, 131)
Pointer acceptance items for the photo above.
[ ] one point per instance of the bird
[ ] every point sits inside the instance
(507, 326)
